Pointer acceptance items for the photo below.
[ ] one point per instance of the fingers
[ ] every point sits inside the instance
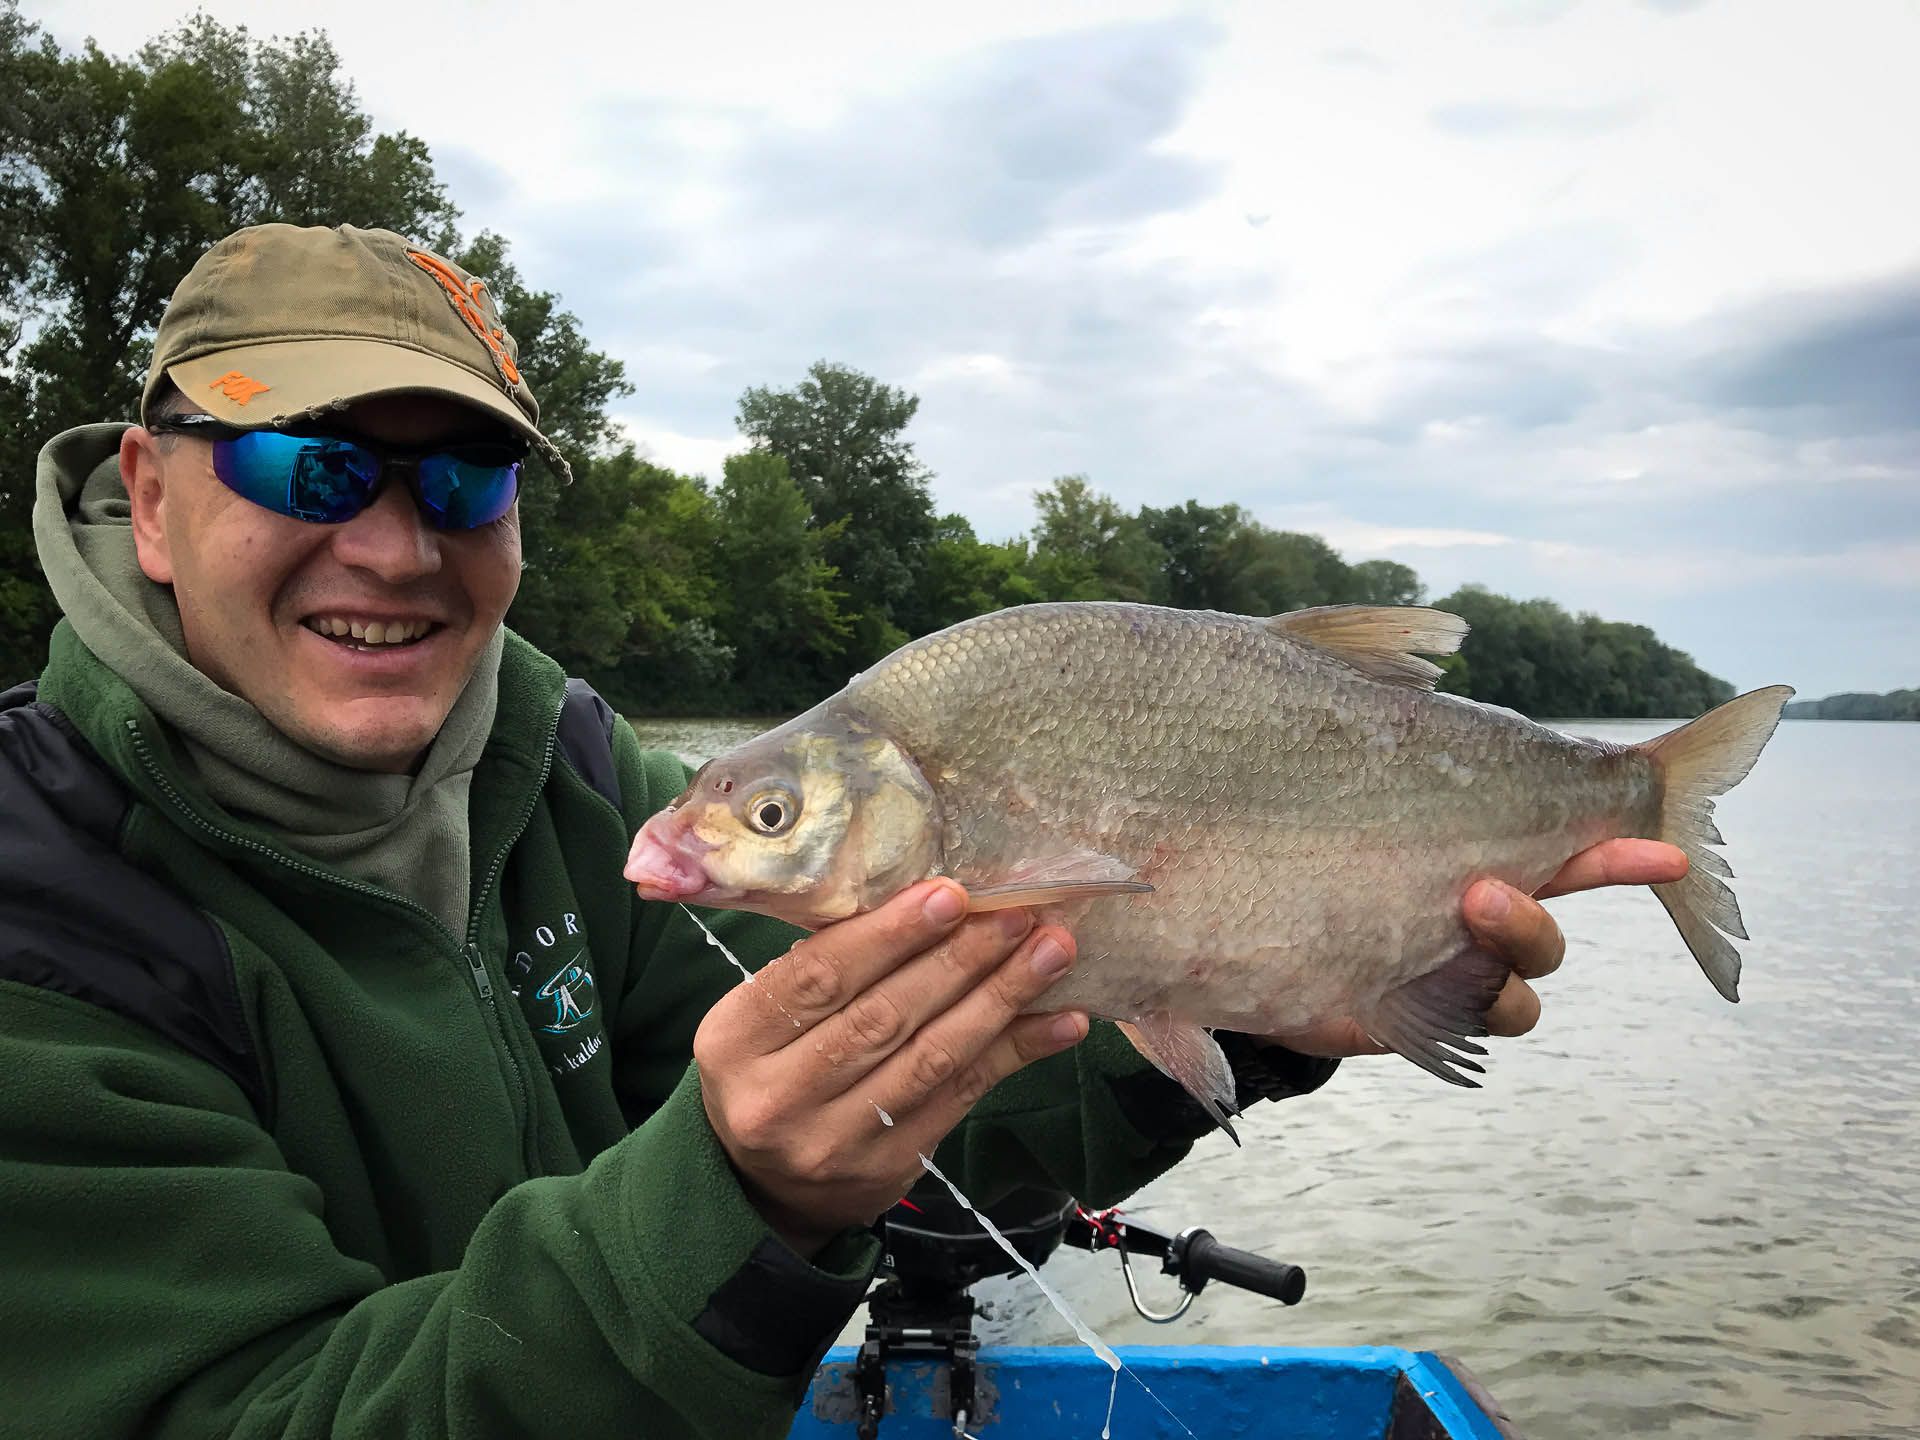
(1330, 1040)
(983, 1038)
(818, 976)
(1027, 1039)
(885, 1016)
(1514, 927)
(1618, 862)
(1517, 929)
(1516, 1009)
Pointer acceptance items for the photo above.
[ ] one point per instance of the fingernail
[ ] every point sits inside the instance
(1049, 959)
(1065, 1029)
(1494, 902)
(1015, 923)
(945, 905)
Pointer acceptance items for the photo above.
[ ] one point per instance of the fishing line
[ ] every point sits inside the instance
(751, 979)
(1080, 1327)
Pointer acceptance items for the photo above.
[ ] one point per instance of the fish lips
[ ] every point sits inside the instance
(660, 867)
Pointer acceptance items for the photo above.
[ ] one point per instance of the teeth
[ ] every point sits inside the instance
(372, 632)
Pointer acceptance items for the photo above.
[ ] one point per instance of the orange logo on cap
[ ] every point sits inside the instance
(239, 388)
(470, 298)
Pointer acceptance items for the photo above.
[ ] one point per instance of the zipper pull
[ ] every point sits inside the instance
(479, 968)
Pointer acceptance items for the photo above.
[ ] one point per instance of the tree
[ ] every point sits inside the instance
(1384, 582)
(1196, 540)
(966, 576)
(780, 610)
(1532, 656)
(843, 435)
(1278, 570)
(1086, 547)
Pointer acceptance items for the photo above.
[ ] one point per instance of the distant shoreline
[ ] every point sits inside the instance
(1894, 705)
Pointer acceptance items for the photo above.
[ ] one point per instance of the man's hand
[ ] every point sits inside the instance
(908, 1009)
(1518, 929)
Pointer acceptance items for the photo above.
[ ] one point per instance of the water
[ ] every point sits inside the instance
(1664, 1214)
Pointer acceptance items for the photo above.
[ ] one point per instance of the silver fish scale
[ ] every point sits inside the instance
(1309, 831)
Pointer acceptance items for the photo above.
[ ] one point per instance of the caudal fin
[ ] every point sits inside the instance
(1702, 759)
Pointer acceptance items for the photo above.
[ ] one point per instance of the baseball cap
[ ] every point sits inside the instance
(278, 325)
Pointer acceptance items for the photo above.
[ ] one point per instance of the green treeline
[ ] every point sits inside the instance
(1894, 705)
(817, 551)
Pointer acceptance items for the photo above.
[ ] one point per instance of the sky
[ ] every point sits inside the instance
(1616, 303)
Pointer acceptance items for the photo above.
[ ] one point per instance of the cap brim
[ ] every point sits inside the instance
(291, 382)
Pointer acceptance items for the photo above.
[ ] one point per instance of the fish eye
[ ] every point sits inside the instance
(772, 811)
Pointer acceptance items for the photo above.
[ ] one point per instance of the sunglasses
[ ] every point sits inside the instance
(329, 479)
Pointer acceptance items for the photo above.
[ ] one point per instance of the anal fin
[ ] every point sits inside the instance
(1189, 1056)
(1429, 1018)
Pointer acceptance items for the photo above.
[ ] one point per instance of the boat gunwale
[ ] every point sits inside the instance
(1449, 1396)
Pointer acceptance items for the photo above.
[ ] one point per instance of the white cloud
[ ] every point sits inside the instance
(993, 372)
(1365, 540)
(702, 455)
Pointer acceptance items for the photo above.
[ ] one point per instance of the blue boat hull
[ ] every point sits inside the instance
(1040, 1392)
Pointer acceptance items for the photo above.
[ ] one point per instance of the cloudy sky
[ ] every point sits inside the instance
(1613, 302)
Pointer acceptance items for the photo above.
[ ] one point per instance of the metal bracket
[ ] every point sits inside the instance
(938, 1328)
(1156, 1317)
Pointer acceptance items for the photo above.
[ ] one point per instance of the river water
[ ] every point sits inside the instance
(1663, 1214)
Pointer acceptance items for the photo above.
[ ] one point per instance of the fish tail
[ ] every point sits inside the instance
(1702, 759)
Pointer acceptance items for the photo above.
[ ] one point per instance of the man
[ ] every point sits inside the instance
(344, 1083)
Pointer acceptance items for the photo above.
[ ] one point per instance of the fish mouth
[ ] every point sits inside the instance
(659, 866)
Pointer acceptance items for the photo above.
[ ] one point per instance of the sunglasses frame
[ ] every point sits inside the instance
(498, 454)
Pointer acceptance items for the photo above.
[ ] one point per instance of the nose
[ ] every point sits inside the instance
(389, 539)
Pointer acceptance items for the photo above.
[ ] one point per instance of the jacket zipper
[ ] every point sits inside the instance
(470, 950)
(476, 961)
(479, 968)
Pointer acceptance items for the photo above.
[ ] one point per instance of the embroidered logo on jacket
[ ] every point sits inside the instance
(570, 993)
(566, 1002)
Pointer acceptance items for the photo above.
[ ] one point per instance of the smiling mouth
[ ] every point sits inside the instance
(370, 634)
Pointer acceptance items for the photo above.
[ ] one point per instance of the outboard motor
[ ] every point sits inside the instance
(936, 1250)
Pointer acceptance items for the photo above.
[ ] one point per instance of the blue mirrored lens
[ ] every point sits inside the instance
(323, 480)
(462, 494)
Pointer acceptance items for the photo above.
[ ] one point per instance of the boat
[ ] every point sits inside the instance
(1251, 1392)
(922, 1373)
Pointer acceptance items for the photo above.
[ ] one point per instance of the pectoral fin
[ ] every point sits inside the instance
(1057, 879)
(1186, 1054)
(1005, 897)
(1429, 1018)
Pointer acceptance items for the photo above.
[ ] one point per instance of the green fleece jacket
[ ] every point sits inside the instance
(368, 1176)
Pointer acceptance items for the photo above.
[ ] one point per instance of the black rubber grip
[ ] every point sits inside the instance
(1207, 1259)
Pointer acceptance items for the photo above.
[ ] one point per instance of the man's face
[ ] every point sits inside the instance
(260, 593)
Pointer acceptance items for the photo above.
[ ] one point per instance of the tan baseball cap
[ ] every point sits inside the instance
(276, 326)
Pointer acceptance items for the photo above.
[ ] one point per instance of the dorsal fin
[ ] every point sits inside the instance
(1380, 641)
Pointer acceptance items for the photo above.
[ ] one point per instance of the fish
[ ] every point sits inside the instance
(1248, 823)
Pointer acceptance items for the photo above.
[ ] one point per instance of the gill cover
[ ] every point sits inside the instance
(815, 821)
